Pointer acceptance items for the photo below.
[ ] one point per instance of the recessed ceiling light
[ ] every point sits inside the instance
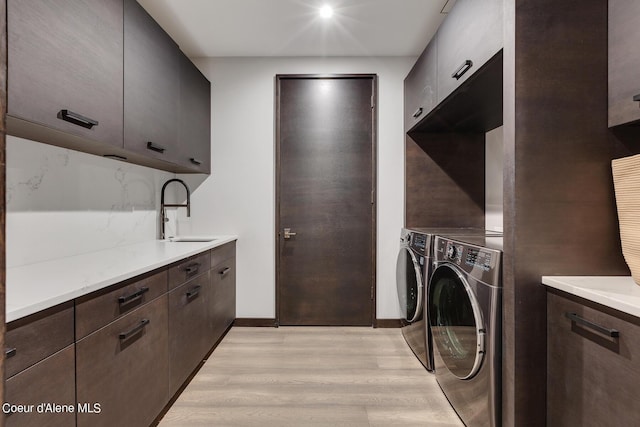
(326, 11)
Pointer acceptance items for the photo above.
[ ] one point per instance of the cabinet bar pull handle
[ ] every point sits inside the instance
(10, 352)
(132, 297)
(126, 335)
(192, 268)
(466, 66)
(195, 161)
(614, 333)
(224, 271)
(193, 292)
(418, 113)
(77, 119)
(155, 147)
(636, 97)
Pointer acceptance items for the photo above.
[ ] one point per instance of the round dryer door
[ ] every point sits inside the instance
(410, 285)
(456, 322)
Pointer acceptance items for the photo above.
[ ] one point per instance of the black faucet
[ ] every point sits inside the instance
(163, 216)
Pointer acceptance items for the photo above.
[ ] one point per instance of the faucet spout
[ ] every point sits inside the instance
(163, 205)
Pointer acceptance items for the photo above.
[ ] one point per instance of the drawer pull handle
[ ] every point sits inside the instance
(418, 113)
(77, 119)
(195, 161)
(131, 332)
(155, 147)
(614, 333)
(10, 352)
(461, 71)
(224, 271)
(134, 296)
(194, 292)
(192, 268)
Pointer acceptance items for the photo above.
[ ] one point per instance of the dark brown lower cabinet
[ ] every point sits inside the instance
(593, 376)
(47, 392)
(223, 303)
(123, 367)
(188, 342)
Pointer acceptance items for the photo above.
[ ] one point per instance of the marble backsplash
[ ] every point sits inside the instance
(62, 202)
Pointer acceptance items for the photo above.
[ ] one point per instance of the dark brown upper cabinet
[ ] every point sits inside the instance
(420, 87)
(624, 62)
(469, 36)
(65, 69)
(151, 86)
(78, 81)
(194, 131)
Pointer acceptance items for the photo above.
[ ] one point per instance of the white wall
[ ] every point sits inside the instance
(239, 196)
(61, 202)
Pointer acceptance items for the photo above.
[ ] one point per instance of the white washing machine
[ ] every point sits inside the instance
(465, 316)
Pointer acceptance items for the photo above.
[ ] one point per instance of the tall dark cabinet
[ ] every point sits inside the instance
(65, 66)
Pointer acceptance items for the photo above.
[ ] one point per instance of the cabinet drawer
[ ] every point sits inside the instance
(222, 253)
(188, 269)
(124, 367)
(188, 340)
(33, 338)
(223, 304)
(96, 310)
(50, 381)
(593, 379)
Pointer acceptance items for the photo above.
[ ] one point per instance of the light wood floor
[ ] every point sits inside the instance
(312, 376)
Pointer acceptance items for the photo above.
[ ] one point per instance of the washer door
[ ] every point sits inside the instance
(410, 285)
(456, 322)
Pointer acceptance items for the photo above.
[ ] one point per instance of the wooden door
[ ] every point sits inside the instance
(325, 193)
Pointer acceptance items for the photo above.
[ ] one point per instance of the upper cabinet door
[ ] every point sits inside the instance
(471, 34)
(420, 87)
(624, 61)
(65, 66)
(195, 118)
(151, 86)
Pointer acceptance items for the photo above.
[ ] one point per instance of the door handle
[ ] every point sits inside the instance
(288, 233)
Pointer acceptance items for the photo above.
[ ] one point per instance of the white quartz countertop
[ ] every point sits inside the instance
(35, 287)
(617, 292)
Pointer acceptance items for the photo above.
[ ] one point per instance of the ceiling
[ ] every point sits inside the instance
(210, 28)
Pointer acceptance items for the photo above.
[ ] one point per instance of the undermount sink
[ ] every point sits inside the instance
(192, 239)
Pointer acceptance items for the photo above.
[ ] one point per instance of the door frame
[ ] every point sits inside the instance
(374, 178)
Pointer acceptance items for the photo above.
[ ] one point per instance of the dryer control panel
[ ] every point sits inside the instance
(482, 263)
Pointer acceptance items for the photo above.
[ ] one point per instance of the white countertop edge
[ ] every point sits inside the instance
(618, 292)
(36, 287)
